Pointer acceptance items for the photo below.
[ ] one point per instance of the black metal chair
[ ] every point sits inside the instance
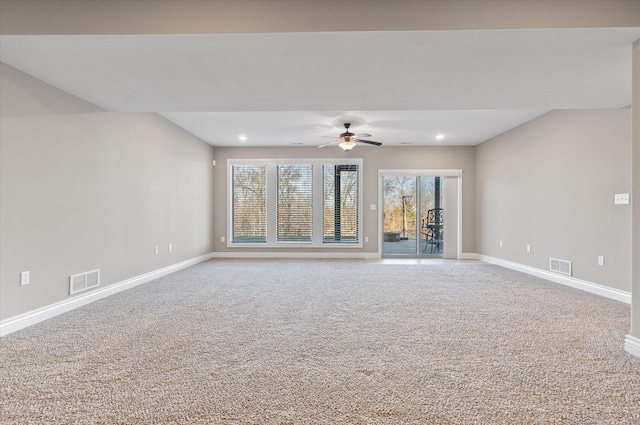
(433, 230)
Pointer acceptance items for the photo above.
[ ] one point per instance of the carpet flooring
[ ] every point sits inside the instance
(328, 342)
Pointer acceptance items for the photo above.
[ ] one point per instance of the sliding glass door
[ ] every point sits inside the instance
(413, 215)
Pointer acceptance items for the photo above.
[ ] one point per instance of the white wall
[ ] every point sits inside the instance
(84, 189)
(551, 183)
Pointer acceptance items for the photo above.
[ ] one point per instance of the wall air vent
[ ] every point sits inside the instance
(560, 266)
(83, 281)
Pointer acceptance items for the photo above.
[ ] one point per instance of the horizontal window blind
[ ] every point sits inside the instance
(249, 204)
(340, 203)
(295, 203)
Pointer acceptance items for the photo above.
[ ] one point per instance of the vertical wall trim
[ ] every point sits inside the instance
(634, 347)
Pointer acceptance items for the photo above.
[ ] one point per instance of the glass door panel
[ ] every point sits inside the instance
(431, 215)
(400, 224)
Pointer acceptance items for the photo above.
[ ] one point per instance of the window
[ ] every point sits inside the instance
(295, 212)
(249, 204)
(340, 203)
(311, 202)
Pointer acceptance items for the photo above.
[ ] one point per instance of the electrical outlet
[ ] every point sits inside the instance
(24, 278)
(500, 244)
(528, 248)
(621, 198)
(366, 239)
(601, 260)
(222, 239)
(156, 250)
(170, 248)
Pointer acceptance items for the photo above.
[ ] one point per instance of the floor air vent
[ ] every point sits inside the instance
(82, 281)
(560, 266)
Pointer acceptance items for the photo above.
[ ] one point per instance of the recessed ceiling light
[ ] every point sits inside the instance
(440, 136)
(406, 143)
(242, 137)
(296, 143)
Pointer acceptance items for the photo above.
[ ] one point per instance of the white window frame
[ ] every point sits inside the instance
(272, 202)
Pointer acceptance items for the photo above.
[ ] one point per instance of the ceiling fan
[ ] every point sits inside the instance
(348, 140)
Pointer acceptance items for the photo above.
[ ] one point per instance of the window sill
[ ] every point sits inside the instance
(297, 245)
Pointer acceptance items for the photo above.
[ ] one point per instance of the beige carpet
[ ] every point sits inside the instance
(328, 342)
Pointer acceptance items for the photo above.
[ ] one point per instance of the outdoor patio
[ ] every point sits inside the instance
(408, 247)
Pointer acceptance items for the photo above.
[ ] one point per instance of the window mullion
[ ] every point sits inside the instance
(272, 203)
(318, 205)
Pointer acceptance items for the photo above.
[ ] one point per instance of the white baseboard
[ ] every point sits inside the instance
(296, 254)
(632, 345)
(24, 320)
(584, 285)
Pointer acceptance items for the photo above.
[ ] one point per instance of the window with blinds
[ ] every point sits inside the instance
(341, 197)
(313, 203)
(249, 204)
(295, 203)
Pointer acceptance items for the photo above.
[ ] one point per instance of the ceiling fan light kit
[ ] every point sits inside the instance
(347, 145)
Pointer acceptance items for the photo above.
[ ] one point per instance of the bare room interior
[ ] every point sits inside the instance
(288, 212)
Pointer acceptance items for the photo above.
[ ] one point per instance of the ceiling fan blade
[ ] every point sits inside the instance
(369, 142)
(328, 144)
